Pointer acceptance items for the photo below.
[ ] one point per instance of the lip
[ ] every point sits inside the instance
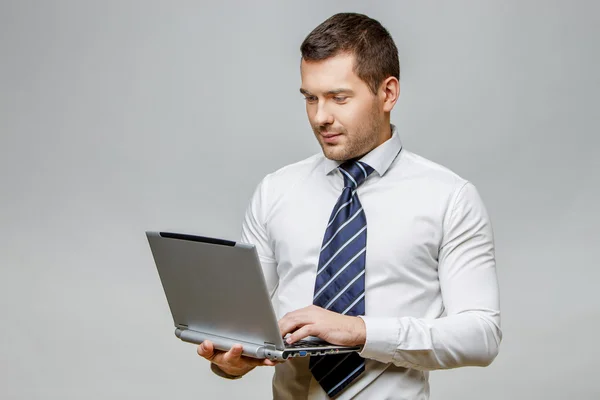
(330, 137)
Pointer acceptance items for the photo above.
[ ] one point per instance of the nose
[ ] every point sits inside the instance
(323, 116)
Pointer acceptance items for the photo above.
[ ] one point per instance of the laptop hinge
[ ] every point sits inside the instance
(270, 346)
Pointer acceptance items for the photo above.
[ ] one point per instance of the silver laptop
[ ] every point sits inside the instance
(216, 291)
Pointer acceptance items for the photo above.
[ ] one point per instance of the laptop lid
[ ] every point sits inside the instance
(215, 286)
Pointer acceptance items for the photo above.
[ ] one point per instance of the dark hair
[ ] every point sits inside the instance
(376, 54)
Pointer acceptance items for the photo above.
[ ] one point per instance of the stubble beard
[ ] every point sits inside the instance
(357, 144)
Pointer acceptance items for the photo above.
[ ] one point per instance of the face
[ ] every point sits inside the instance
(347, 118)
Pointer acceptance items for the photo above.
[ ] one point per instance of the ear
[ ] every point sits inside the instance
(390, 91)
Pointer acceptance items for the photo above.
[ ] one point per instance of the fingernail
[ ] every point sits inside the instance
(289, 340)
(203, 346)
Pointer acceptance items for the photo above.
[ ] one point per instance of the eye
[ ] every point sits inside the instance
(310, 99)
(340, 99)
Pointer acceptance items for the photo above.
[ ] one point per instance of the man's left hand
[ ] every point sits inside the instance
(338, 329)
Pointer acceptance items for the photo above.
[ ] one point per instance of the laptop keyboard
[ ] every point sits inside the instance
(305, 343)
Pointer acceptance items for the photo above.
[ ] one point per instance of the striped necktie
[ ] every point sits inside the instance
(340, 282)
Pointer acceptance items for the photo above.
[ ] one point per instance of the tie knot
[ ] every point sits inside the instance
(355, 173)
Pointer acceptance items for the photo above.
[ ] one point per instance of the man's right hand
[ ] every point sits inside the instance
(231, 362)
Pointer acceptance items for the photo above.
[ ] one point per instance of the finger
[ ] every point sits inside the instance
(257, 362)
(284, 323)
(294, 320)
(206, 350)
(306, 330)
(269, 363)
(234, 355)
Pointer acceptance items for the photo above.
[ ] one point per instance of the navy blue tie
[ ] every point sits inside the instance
(340, 282)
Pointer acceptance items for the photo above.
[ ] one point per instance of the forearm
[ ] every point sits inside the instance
(470, 338)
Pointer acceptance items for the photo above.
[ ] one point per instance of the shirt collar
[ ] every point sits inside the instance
(380, 158)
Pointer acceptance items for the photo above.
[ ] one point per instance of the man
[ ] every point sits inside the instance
(368, 244)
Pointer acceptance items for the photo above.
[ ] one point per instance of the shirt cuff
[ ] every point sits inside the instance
(382, 338)
(215, 368)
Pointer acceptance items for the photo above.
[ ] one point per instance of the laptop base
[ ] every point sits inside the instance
(302, 348)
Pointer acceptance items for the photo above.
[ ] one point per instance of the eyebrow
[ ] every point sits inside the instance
(329, 92)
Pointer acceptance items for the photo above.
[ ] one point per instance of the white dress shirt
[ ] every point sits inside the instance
(431, 289)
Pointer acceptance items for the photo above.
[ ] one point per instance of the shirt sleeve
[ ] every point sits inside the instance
(254, 231)
(469, 333)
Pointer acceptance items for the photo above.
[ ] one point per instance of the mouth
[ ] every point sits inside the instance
(330, 137)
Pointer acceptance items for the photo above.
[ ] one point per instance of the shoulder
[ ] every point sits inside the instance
(432, 181)
(441, 182)
(276, 184)
(274, 187)
(283, 178)
(417, 167)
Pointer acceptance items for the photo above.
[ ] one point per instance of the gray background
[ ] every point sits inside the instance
(122, 116)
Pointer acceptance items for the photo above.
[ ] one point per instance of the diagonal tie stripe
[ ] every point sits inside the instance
(358, 298)
(356, 214)
(344, 290)
(342, 270)
(347, 247)
(339, 209)
(340, 281)
(344, 378)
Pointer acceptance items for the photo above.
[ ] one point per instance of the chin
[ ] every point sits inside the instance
(335, 154)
